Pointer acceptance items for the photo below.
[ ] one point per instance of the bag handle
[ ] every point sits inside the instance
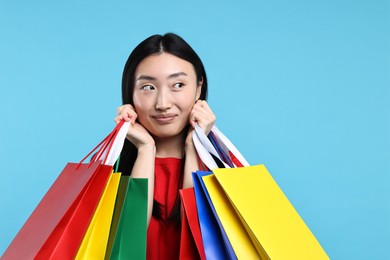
(111, 146)
(117, 144)
(102, 152)
(205, 148)
(101, 145)
(225, 142)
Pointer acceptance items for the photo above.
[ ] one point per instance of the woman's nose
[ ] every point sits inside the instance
(163, 101)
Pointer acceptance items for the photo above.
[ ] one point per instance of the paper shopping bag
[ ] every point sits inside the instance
(191, 244)
(58, 224)
(262, 208)
(272, 222)
(62, 197)
(130, 238)
(215, 242)
(66, 238)
(95, 240)
(230, 221)
(120, 197)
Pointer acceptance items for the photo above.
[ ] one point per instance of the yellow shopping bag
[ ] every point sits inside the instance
(230, 220)
(94, 243)
(267, 215)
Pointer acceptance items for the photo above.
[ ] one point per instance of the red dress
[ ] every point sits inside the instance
(163, 239)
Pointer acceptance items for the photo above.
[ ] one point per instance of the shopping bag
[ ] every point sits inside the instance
(191, 244)
(273, 225)
(120, 197)
(32, 240)
(269, 217)
(95, 240)
(57, 225)
(130, 237)
(235, 230)
(66, 238)
(215, 242)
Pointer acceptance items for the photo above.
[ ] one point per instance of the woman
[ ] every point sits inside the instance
(164, 88)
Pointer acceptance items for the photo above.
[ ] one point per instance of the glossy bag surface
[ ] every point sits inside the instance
(120, 197)
(275, 227)
(130, 237)
(58, 224)
(95, 240)
(191, 244)
(230, 220)
(47, 220)
(216, 243)
(270, 221)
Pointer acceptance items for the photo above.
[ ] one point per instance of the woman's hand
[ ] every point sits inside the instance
(143, 141)
(137, 134)
(202, 115)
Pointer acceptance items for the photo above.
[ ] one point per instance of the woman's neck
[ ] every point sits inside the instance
(170, 146)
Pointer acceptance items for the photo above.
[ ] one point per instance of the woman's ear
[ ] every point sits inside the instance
(199, 89)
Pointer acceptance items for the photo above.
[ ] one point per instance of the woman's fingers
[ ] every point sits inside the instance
(127, 113)
(203, 116)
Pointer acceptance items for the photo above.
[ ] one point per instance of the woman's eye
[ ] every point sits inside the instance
(178, 85)
(148, 87)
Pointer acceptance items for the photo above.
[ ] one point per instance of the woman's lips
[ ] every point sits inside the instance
(165, 118)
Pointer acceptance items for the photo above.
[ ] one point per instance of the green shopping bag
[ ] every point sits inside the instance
(130, 237)
(120, 198)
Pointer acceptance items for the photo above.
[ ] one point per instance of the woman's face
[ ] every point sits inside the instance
(165, 90)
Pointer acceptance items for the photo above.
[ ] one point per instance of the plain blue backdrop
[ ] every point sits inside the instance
(301, 86)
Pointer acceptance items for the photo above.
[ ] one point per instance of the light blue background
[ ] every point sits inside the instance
(302, 86)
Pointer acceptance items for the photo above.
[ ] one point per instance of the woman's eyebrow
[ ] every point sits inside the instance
(145, 77)
(150, 78)
(178, 74)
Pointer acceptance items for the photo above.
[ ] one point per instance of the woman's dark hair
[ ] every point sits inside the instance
(168, 43)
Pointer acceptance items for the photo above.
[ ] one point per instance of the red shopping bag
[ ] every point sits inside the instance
(191, 244)
(66, 238)
(57, 225)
